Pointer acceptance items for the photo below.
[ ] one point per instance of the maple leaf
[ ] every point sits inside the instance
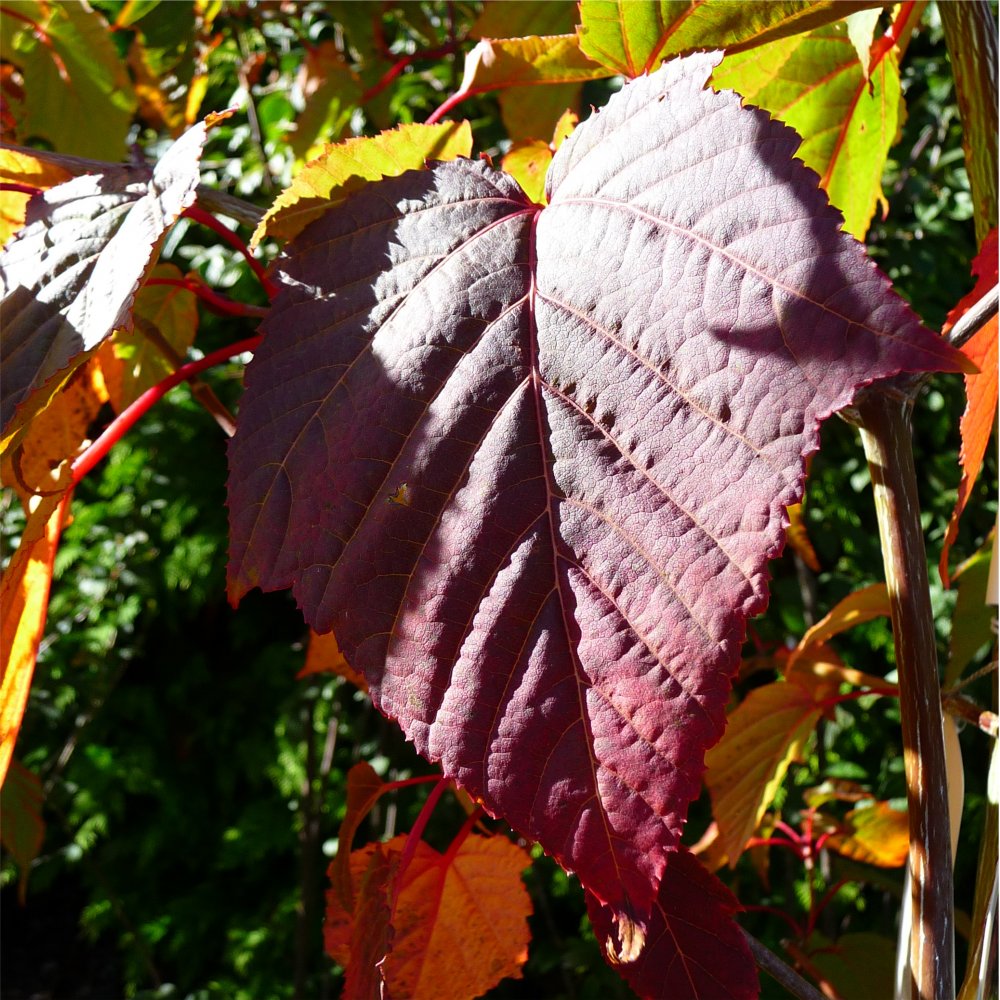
(600, 409)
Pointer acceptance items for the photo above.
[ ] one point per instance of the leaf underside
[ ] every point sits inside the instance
(599, 412)
(69, 277)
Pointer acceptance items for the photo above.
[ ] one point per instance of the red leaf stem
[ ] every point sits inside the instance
(400, 64)
(128, 417)
(19, 188)
(410, 847)
(199, 215)
(440, 112)
(217, 302)
(392, 786)
(773, 911)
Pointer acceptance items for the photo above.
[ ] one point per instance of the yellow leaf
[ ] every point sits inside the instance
(24, 598)
(875, 834)
(798, 538)
(17, 167)
(765, 734)
(528, 163)
(347, 166)
(861, 606)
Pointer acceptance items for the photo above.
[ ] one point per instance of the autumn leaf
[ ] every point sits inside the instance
(499, 63)
(347, 166)
(980, 416)
(164, 326)
(460, 923)
(767, 731)
(528, 162)
(876, 834)
(57, 435)
(69, 277)
(530, 112)
(601, 409)
(323, 655)
(798, 538)
(856, 608)
(18, 167)
(693, 949)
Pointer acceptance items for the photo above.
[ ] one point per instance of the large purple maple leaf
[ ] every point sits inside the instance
(530, 463)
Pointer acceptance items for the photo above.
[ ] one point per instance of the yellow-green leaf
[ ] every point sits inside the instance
(816, 84)
(348, 166)
(633, 37)
(78, 95)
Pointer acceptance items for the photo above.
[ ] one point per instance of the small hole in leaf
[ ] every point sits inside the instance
(725, 413)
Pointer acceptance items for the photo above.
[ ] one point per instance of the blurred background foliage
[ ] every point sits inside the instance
(193, 786)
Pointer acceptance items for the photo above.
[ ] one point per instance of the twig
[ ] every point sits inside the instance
(781, 971)
(128, 417)
(885, 433)
(972, 321)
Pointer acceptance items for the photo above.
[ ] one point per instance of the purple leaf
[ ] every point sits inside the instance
(599, 411)
(692, 946)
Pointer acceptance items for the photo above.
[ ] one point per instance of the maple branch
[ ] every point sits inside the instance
(885, 434)
(114, 432)
(781, 971)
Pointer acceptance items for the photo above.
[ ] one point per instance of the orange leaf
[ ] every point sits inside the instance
(798, 538)
(364, 787)
(461, 919)
(57, 434)
(24, 598)
(979, 417)
(765, 734)
(371, 929)
(876, 834)
(324, 656)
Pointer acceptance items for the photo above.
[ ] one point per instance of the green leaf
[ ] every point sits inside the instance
(517, 18)
(22, 828)
(633, 38)
(348, 166)
(815, 84)
(972, 619)
(78, 96)
(329, 91)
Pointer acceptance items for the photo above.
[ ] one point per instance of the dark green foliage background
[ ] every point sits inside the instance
(170, 731)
